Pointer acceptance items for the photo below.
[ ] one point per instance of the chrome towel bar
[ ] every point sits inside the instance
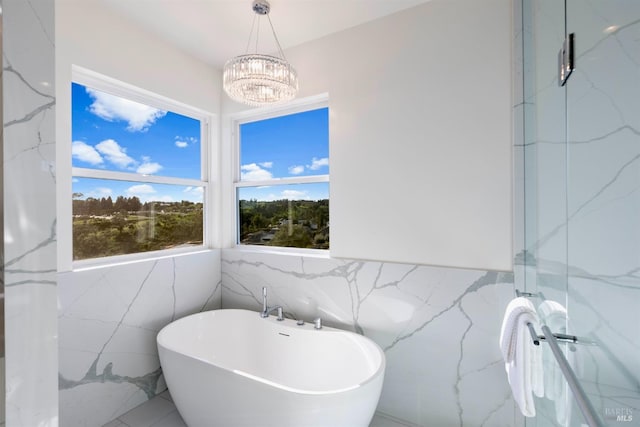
(560, 337)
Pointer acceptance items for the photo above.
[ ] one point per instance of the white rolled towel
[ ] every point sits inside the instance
(522, 358)
(554, 315)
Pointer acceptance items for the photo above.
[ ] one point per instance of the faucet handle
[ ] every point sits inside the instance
(317, 323)
(265, 308)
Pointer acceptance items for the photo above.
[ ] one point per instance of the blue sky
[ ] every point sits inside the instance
(288, 146)
(115, 134)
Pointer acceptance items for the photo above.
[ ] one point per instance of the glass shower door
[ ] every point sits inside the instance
(582, 200)
(545, 186)
(603, 204)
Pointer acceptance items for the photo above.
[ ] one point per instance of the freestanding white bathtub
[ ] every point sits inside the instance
(233, 368)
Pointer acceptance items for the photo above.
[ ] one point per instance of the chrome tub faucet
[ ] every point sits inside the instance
(266, 310)
(317, 323)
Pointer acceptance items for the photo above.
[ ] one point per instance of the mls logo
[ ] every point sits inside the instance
(618, 414)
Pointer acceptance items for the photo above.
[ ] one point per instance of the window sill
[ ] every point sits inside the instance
(270, 250)
(121, 260)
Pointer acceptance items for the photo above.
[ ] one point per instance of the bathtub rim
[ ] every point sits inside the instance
(380, 370)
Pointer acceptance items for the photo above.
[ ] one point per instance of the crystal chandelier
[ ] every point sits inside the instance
(256, 79)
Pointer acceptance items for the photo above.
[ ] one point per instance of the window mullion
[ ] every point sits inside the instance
(134, 177)
(284, 181)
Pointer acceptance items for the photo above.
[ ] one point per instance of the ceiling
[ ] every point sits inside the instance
(216, 30)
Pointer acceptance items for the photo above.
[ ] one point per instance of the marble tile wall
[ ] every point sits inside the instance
(29, 184)
(108, 321)
(438, 326)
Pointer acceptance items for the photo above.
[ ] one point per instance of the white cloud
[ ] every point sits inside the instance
(86, 153)
(296, 170)
(115, 153)
(112, 108)
(98, 193)
(103, 191)
(193, 190)
(140, 190)
(318, 163)
(295, 195)
(253, 172)
(184, 141)
(193, 194)
(288, 194)
(148, 167)
(75, 180)
(267, 165)
(144, 192)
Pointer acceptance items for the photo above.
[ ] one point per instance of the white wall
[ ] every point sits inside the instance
(420, 134)
(92, 36)
(109, 316)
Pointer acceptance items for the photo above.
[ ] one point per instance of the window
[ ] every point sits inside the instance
(138, 174)
(282, 180)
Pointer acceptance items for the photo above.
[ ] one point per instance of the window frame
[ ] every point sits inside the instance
(233, 230)
(118, 88)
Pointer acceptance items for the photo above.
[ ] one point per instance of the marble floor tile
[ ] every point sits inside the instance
(173, 419)
(147, 415)
(382, 420)
(161, 412)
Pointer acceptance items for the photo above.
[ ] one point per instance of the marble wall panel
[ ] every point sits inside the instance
(108, 320)
(438, 326)
(29, 213)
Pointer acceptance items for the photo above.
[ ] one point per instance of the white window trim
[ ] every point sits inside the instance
(231, 173)
(65, 175)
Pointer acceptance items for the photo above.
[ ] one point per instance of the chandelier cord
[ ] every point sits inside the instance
(253, 25)
(276, 37)
(257, 34)
(273, 31)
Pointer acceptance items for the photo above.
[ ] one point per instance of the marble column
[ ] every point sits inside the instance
(29, 213)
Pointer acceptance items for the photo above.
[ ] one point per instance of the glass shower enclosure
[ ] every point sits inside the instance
(580, 254)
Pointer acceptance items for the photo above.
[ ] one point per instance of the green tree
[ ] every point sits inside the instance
(134, 204)
(295, 236)
(106, 206)
(120, 205)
